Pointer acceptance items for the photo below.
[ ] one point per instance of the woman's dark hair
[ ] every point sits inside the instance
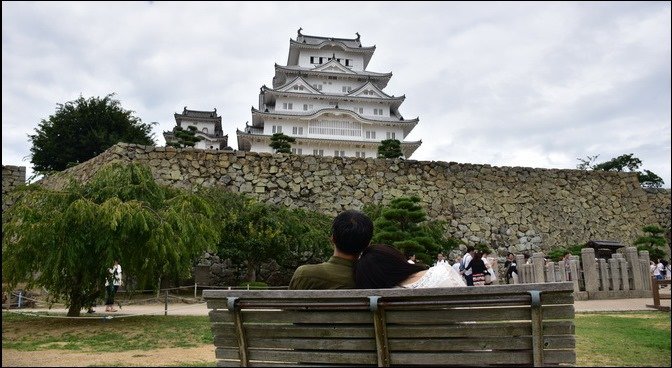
(352, 231)
(382, 266)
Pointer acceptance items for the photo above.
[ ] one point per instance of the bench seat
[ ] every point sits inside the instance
(503, 325)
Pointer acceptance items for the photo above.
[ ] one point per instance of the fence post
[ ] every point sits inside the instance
(589, 265)
(633, 261)
(538, 267)
(615, 274)
(20, 299)
(165, 313)
(195, 289)
(550, 272)
(604, 275)
(574, 274)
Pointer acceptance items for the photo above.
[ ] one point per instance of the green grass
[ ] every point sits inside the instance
(602, 339)
(31, 333)
(624, 339)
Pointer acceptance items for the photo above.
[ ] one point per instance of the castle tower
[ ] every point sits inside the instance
(208, 128)
(326, 99)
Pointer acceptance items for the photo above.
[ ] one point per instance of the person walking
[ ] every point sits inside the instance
(465, 265)
(112, 284)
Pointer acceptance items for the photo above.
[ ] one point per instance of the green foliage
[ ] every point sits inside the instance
(82, 129)
(184, 138)
(654, 242)
(390, 148)
(253, 233)
(66, 240)
(281, 143)
(623, 163)
(483, 248)
(404, 225)
(556, 254)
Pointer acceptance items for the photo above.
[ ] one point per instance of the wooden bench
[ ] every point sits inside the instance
(523, 324)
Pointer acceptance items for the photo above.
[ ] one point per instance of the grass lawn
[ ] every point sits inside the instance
(602, 339)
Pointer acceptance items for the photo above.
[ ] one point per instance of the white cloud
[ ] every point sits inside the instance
(508, 84)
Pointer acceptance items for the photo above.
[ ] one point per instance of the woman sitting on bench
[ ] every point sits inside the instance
(382, 266)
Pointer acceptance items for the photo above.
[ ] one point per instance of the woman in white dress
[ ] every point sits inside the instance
(491, 266)
(382, 266)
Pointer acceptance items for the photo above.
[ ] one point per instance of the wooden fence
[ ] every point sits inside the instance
(625, 275)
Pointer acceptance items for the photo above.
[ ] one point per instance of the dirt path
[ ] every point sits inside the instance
(151, 358)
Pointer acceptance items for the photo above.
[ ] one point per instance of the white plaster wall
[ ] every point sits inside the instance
(357, 61)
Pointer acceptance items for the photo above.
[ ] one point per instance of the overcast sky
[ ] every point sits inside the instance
(505, 84)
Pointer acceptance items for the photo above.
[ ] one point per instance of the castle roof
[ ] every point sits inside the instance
(319, 42)
(268, 95)
(282, 73)
(195, 114)
(258, 117)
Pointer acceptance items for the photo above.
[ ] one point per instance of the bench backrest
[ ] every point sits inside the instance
(525, 324)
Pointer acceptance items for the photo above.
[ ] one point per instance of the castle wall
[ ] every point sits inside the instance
(12, 177)
(512, 208)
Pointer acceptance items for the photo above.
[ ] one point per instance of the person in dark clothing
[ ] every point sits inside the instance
(478, 269)
(510, 266)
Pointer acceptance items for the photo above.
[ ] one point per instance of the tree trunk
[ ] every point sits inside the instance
(251, 275)
(75, 304)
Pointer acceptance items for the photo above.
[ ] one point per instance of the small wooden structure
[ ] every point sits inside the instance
(523, 324)
(604, 248)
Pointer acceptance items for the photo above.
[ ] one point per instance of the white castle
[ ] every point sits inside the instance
(328, 102)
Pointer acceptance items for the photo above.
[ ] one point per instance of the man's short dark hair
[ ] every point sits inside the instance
(470, 248)
(352, 232)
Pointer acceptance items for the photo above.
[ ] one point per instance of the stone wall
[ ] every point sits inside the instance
(512, 208)
(12, 177)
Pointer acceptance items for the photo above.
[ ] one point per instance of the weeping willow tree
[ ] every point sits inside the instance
(65, 240)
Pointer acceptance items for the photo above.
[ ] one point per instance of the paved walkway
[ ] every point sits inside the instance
(200, 309)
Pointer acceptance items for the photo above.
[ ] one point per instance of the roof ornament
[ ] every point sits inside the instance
(357, 33)
(336, 107)
(333, 56)
(299, 31)
(185, 110)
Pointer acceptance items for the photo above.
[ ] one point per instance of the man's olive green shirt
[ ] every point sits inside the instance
(336, 273)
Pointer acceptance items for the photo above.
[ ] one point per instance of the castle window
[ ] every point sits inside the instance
(377, 111)
(277, 129)
(391, 135)
(339, 153)
(307, 107)
(317, 152)
(287, 106)
(205, 130)
(347, 89)
(347, 62)
(370, 135)
(297, 151)
(360, 154)
(332, 77)
(297, 130)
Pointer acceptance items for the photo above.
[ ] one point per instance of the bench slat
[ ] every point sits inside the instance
(448, 315)
(409, 344)
(395, 331)
(545, 288)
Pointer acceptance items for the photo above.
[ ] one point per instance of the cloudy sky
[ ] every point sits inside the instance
(505, 84)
